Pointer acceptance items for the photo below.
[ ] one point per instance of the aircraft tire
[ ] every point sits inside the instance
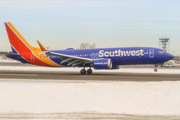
(89, 71)
(155, 70)
(83, 71)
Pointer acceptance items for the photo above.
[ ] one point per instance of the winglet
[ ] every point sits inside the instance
(41, 46)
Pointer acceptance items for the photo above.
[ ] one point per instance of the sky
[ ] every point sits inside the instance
(61, 24)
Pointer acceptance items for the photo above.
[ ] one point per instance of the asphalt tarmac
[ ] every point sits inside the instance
(122, 66)
(75, 75)
(95, 76)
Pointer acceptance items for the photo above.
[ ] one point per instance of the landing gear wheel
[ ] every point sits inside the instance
(89, 71)
(83, 71)
(155, 70)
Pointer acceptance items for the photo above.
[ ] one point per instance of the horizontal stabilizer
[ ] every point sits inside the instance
(12, 54)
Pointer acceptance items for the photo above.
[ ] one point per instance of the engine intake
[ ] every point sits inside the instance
(102, 64)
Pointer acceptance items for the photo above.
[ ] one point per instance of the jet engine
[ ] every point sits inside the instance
(102, 64)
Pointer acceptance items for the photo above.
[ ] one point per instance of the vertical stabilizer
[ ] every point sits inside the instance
(17, 41)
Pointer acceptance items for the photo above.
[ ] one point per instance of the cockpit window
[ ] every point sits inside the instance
(161, 51)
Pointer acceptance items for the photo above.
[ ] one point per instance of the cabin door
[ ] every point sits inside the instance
(151, 53)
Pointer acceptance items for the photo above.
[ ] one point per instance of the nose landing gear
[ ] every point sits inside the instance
(155, 69)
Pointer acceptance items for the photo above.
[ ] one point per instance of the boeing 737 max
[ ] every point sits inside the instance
(101, 58)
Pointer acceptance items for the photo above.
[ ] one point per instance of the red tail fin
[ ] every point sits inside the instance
(17, 41)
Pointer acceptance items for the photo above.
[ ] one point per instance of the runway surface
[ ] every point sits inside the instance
(75, 75)
(64, 75)
(122, 66)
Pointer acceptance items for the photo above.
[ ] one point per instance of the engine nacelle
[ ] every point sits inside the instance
(102, 64)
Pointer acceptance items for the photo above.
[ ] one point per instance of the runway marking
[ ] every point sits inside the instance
(20, 74)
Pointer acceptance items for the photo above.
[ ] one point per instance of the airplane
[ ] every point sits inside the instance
(99, 58)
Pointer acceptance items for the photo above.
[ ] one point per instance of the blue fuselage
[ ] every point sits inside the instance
(119, 56)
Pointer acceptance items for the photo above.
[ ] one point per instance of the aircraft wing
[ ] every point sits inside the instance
(73, 60)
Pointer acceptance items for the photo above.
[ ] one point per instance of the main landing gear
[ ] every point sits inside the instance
(89, 71)
(83, 71)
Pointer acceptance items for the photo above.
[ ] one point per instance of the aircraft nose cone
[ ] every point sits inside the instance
(170, 56)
